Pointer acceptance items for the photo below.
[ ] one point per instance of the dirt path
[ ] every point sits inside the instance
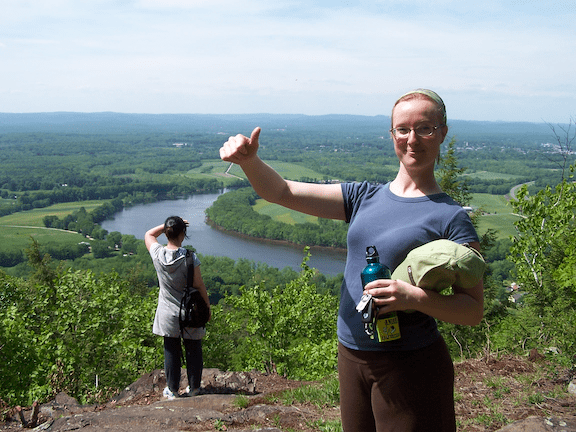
(491, 394)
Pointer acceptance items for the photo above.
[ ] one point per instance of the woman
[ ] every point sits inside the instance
(172, 270)
(405, 384)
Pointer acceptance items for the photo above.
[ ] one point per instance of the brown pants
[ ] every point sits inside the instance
(397, 391)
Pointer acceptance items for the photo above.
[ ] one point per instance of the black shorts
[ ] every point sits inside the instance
(397, 391)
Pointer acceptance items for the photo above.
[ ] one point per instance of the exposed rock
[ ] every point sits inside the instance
(62, 405)
(215, 381)
(259, 413)
(147, 384)
(141, 408)
(540, 424)
(572, 387)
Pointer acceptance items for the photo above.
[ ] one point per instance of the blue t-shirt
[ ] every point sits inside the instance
(395, 225)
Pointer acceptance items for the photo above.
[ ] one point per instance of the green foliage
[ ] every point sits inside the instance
(290, 330)
(68, 323)
(241, 401)
(11, 258)
(233, 211)
(71, 331)
(450, 176)
(327, 425)
(219, 425)
(324, 394)
(544, 252)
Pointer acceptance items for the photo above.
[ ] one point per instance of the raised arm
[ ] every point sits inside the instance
(324, 201)
(152, 235)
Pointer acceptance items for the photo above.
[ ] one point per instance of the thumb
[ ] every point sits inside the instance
(255, 136)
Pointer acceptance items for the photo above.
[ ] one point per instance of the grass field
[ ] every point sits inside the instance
(491, 203)
(489, 175)
(282, 214)
(34, 217)
(217, 169)
(498, 214)
(17, 228)
(19, 238)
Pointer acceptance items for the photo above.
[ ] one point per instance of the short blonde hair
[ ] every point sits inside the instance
(423, 94)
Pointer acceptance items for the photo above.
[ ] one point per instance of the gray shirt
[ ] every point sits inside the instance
(172, 274)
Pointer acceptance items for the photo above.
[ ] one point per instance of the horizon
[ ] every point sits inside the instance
(497, 60)
(271, 114)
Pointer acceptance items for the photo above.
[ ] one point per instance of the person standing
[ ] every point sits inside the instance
(171, 266)
(405, 384)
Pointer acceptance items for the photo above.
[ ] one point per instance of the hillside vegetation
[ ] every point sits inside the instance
(80, 322)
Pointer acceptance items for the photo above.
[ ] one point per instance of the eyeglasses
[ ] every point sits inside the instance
(423, 131)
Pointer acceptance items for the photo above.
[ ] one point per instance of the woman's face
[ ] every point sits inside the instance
(414, 151)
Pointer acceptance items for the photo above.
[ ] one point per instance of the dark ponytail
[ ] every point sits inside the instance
(173, 227)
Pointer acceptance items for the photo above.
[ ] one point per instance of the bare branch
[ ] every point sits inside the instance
(565, 141)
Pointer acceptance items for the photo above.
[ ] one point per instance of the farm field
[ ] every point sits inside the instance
(282, 214)
(498, 214)
(491, 175)
(33, 218)
(216, 168)
(18, 228)
(287, 170)
(19, 238)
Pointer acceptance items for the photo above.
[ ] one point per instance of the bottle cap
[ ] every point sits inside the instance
(372, 254)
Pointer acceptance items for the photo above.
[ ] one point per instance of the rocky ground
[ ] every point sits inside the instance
(507, 394)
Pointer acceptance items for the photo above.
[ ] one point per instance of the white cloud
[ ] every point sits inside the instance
(314, 57)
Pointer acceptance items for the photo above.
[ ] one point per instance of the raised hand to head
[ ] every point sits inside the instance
(239, 148)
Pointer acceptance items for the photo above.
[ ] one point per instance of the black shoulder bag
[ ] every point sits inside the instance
(194, 311)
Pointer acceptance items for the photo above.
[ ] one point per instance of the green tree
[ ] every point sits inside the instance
(464, 340)
(290, 329)
(544, 251)
(114, 239)
(450, 176)
(100, 249)
(129, 244)
(72, 331)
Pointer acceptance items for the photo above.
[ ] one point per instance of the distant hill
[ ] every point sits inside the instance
(110, 122)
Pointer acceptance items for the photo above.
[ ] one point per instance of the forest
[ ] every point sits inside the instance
(78, 307)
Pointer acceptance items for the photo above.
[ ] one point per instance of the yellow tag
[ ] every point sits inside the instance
(388, 328)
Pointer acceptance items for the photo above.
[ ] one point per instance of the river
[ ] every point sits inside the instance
(210, 241)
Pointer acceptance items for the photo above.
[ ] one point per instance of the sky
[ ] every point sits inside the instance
(489, 60)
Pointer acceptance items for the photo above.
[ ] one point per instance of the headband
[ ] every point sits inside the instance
(432, 95)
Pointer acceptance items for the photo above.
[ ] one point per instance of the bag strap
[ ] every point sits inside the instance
(189, 284)
(189, 256)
